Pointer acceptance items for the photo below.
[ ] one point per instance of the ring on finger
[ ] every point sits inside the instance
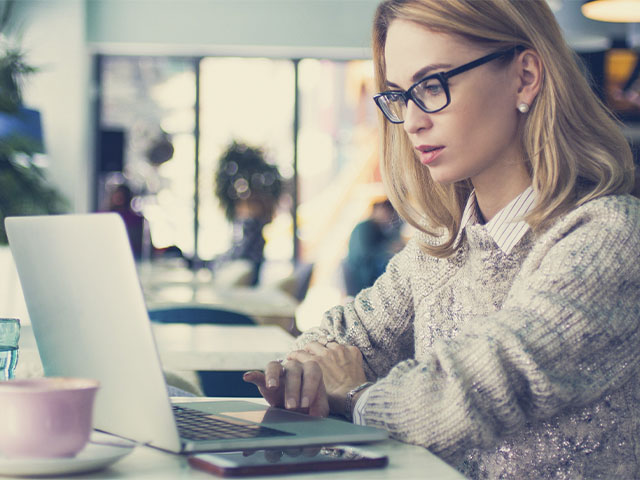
(326, 339)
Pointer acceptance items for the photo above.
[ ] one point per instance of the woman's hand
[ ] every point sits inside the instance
(293, 385)
(341, 365)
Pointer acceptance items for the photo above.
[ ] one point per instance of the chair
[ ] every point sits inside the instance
(213, 383)
(195, 315)
(303, 273)
(234, 273)
(297, 284)
(351, 285)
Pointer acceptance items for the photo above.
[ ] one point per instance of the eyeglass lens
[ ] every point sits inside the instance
(429, 94)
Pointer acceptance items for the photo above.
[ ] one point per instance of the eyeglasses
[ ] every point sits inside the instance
(431, 94)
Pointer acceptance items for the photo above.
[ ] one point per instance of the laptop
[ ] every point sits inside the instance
(89, 319)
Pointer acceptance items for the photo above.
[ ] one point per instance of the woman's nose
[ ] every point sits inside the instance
(415, 119)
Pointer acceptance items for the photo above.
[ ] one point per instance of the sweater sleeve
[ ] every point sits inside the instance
(567, 333)
(379, 321)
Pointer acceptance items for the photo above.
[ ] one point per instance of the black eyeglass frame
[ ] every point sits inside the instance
(443, 78)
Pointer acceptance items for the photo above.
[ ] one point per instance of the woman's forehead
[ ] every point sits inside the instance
(411, 47)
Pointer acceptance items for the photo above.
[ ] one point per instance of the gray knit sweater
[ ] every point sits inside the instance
(511, 366)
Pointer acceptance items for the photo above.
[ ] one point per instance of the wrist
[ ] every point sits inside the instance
(352, 397)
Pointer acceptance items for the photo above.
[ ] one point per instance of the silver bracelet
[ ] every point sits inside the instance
(348, 405)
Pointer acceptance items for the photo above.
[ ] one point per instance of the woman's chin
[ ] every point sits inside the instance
(445, 178)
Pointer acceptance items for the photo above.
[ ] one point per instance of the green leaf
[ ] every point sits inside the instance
(24, 190)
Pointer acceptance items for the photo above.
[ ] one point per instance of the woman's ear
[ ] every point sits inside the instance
(530, 73)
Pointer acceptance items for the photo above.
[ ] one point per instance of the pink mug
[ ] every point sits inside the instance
(46, 417)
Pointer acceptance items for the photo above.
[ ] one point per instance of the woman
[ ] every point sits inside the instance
(505, 336)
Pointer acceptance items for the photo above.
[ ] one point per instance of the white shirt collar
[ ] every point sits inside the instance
(507, 227)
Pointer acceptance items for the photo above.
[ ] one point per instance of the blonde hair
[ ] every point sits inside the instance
(574, 148)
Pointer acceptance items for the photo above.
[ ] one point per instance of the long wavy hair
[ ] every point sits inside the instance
(572, 144)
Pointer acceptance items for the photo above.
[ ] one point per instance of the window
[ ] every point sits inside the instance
(150, 101)
(249, 100)
(197, 106)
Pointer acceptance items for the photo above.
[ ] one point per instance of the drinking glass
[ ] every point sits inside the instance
(9, 336)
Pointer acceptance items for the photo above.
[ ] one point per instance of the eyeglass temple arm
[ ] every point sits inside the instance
(480, 61)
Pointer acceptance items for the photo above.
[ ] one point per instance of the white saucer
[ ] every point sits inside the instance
(93, 457)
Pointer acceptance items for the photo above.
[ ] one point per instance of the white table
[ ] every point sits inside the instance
(185, 347)
(266, 305)
(262, 302)
(220, 347)
(170, 285)
(406, 462)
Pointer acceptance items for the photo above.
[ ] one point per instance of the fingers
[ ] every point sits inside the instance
(293, 452)
(272, 395)
(311, 451)
(302, 384)
(272, 374)
(321, 345)
(301, 356)
(296, 385)
(344, 350)
(256, 377)
(273, 455)
(330, 352)
(292, 384)
(318, 348)
(315, 348)
(312, 380)
(320, 405)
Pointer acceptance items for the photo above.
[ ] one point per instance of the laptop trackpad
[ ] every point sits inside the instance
(271, 415)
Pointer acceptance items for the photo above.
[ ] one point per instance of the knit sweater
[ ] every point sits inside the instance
(519, 365)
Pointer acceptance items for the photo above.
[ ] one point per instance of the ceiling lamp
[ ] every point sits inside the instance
(625, 11)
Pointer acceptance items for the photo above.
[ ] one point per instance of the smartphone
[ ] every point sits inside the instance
(276, 461)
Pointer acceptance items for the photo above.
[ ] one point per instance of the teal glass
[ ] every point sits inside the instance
(9, 337)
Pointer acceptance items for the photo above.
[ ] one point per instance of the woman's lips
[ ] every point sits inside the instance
(427, 153)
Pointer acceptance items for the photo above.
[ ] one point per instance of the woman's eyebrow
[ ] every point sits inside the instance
(423, 72)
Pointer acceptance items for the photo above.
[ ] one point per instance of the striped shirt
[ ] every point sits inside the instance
(506, 228)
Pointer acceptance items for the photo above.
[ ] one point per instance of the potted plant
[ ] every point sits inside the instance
(24, 190)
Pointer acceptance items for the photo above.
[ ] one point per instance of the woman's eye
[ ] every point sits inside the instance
(431, 87)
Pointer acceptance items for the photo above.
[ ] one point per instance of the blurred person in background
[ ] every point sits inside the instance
(249, 189)
(371, 245)
(120, 201)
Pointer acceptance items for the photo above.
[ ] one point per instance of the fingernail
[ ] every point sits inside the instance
(290, 403)
(271, 383)
(304, 403)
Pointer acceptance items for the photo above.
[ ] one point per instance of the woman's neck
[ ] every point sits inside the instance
(493, 196)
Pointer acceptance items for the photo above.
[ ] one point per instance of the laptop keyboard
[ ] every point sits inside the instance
(197, 425)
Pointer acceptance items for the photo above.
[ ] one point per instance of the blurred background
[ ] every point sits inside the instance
(138, 101)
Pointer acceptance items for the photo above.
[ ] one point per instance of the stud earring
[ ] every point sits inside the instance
(523, 107)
